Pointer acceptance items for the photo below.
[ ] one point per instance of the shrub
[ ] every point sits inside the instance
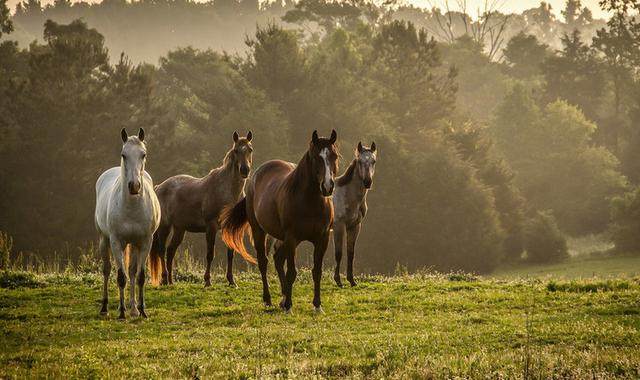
(625, 226)
(543, 241)
(6, 245)
(19, 279)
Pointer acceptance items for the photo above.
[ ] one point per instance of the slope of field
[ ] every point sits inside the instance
(421, 326)
(576, 268)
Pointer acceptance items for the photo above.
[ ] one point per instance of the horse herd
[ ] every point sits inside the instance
(280, 203)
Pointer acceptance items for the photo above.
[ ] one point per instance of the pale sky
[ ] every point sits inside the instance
(508, 6)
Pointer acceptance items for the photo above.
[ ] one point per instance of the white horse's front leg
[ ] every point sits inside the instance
(142, 259)
(134, 254)
(117, 250)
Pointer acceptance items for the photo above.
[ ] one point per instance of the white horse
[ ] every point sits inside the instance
(127, 215)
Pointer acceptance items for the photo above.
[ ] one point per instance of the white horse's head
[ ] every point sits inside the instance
(134, 153)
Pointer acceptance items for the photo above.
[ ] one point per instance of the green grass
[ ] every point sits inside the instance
(575, 268)
(422, 326)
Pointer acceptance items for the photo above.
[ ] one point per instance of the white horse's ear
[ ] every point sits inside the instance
(249, 136)
(373, 146)
(235, 136)
(141, 134)
(334, 136)
(123, 134)
(360, 147)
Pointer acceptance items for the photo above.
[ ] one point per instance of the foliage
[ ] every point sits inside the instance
(556, 166)
(625, 227)
(525, 55)
(19, 279)
(6, 245)
(543, 241)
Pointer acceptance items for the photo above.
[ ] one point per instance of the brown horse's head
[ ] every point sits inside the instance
(134, 153)
(242, 152)
(366, 163)
(324, 161)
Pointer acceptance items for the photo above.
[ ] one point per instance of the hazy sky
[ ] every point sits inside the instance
(507, 5)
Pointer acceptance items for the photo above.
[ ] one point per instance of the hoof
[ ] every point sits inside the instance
(336, 278)
(134, 312)
(122, 316)
(288, 311)
(207, 284)
(143, 314)
(104, 313)
(353, 283)
(268, 304)
(233, 284)
(318, 310)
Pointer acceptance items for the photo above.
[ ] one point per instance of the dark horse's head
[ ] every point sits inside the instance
(366, 163)
(242, 153)
(324, 161)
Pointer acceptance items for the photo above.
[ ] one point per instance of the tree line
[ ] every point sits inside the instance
(480, 160)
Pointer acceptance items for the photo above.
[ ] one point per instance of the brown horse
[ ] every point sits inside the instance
(292, 204)
(195, 204)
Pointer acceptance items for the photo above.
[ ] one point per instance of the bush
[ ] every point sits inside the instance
(543, 241)
(19, 279)
(625, 226)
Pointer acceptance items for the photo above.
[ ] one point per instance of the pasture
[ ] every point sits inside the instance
(404, 326)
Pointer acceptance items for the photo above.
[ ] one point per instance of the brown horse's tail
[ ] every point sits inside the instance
(234, 222)
(155, 264)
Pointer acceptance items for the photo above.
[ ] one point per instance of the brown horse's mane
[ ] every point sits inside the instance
(300, 174)
(346, 178)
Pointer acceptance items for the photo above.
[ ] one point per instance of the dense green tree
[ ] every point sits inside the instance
(543, 240)
(525, 55)
(6, 25)
(625, 214)
(575, 75)
(556, 165)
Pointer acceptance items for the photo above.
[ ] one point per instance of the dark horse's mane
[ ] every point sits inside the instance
(346, 178)
(300, 175)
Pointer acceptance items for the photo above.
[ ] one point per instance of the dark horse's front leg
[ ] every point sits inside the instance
(338, 239)
(211, 242)
(232, 282)
(319, 248)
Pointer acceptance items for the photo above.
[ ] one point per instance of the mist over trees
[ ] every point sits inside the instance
(493, 145)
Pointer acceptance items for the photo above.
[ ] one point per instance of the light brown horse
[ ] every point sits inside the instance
(195, 204)
(292, 204)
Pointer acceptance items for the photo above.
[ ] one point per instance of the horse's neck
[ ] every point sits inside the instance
(302, 178)
(130, 202)
(228, 175)
(355, 188)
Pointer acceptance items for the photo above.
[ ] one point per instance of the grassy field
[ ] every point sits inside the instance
(576, 268)
(421, 326)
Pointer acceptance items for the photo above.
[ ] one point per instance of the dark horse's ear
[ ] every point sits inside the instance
(373, 146)
(235, 136)
(141, 134)
(249, 136)
(314, 137)
(334, 136)
(123, 134)
(359, 147)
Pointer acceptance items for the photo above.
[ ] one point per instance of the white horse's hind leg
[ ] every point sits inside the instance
(118, 253)
(142, 260)
(103, 247)
(133, 270)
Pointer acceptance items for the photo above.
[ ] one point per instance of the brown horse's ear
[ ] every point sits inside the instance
(123, 134)
(249, 136)
(314, 137)
(360, 147)
(373, 146)
(141, 134)
(334, 136)
(235, 136)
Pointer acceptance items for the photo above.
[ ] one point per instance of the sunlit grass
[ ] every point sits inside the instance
(406, 326)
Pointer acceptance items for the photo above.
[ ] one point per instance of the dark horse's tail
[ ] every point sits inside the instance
(155, 264)
(234, 224)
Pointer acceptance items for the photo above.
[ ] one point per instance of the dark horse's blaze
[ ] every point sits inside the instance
(291, 203)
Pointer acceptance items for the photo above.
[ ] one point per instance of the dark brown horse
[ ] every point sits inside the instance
(292, 204)
(195, 204)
